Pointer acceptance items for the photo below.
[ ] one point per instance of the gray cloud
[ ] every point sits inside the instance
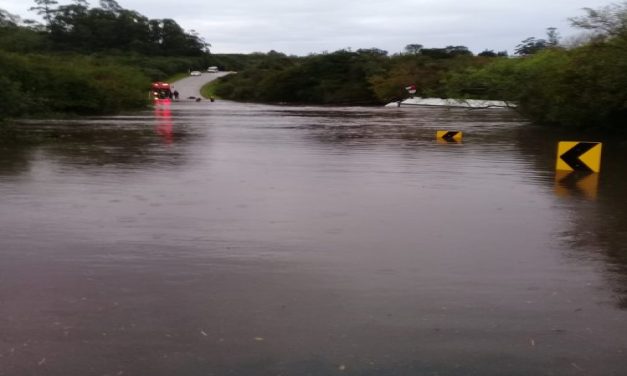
(303, 26)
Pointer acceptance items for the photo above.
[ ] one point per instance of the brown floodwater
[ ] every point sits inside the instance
(239, 239)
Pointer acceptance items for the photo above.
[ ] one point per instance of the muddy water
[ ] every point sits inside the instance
(231, 239)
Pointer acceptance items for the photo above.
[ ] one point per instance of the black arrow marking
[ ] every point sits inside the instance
(449, 136)
(571, 157)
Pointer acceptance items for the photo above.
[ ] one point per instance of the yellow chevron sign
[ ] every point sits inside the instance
(450, 136)
(579, 156)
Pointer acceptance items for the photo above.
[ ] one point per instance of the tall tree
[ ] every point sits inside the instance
(530, 46)
(552, 37)
(67, 26)
(111, 6)
(487, 53)
(45, 9)
(608, 21)
(413, 49)
(8, 19)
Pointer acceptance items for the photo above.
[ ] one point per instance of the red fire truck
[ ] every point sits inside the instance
(160, 90)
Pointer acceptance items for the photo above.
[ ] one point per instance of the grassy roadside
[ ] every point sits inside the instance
(176, 77)
(208, 90)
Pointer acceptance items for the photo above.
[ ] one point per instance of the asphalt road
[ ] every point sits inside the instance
(190, 86)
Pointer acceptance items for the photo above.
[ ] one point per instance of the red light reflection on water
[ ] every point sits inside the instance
(163, 114)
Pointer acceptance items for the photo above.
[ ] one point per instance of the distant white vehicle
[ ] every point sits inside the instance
(213, 70)
(195, 73)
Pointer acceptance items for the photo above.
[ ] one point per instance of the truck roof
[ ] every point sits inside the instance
(160, 85)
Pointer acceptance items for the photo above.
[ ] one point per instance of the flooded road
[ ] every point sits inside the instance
(190, 86)
(235, 239)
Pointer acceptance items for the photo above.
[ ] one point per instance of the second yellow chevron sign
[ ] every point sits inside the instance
(450, 136)
(579, 156)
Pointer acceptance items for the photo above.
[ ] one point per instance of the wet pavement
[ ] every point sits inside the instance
(190, 86)
(239, 239)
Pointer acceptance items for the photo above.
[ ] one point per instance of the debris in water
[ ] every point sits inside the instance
(203, 332)
(258, 339)
(41, 362)
(342, 367)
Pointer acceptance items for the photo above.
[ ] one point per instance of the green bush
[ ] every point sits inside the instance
(39, 84)
(584, 87)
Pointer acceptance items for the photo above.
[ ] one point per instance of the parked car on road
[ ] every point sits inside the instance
(195, 73)
(212, 69)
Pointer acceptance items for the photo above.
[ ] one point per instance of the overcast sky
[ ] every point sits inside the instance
(303, 26)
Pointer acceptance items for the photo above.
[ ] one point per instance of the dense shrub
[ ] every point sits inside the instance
(38, 84)
(582, 87)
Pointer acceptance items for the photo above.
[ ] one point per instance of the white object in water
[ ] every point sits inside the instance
(464, 103)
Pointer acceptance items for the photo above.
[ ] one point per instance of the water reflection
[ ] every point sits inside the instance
(165, 126)
(577, 183)
(15, 157)
(125, 142)
(594, 211)
(449, 142)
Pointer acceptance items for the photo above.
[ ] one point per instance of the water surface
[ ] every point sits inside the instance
(234, 239)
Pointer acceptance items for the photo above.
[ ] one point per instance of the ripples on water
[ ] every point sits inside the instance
(245, 239)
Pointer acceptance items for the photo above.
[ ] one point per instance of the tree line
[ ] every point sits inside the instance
(581, 85)
(89, 60)
(81, 28)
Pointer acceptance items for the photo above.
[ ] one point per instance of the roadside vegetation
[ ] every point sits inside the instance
(89, 60)
(582, 85)
(95, 60)
(209, 90)
(579, 83)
